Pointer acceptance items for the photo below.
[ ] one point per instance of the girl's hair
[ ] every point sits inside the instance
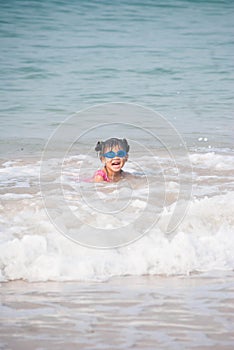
(111, 143)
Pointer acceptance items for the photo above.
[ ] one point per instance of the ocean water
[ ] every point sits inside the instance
(160, 74)
(58, 58)
(141, 313)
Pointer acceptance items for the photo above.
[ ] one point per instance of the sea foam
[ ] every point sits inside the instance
(203, 242)
(32, 249)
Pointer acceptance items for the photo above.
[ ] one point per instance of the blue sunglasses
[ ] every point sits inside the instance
(112, 154)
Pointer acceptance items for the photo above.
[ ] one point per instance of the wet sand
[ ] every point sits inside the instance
(194, 312)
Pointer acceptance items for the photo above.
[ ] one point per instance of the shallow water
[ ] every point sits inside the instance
(193, 312)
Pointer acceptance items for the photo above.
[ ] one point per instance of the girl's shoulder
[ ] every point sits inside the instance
(101, 175)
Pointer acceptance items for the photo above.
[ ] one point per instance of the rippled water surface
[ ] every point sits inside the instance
(131, 313)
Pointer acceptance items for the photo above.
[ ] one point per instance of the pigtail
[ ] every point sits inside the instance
(126, 145)
(98, 147)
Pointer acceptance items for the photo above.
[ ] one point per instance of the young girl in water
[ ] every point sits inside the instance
(113, 154)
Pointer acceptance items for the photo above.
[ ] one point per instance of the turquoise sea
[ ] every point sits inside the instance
(59, 57)
(141, 264)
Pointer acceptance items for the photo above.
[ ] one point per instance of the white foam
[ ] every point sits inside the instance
(16, 196)
(33, 250)
(203, 242)
(213, 160)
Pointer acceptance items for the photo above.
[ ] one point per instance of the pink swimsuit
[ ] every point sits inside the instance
(103, 174)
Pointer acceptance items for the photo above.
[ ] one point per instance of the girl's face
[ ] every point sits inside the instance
(114, 164)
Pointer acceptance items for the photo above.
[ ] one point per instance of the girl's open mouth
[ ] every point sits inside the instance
(115, 162)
